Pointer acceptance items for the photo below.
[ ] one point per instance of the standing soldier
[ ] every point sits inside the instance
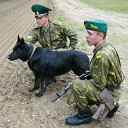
(51, 35)
(103, 89)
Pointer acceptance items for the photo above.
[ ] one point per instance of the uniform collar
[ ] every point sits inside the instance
(45, 29)
(100, 46)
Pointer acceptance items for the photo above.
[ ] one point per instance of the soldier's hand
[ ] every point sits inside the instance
(84, 76)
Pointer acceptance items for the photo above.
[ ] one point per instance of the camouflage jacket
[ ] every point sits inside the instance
(55, 36)
(105, 66)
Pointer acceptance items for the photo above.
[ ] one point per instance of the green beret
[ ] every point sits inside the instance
(96, 25)
(40, 9)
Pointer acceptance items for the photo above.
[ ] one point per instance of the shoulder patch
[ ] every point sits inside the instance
(98, 56)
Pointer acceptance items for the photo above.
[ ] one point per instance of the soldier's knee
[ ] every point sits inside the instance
(73, 85)
(76, 85)
(76, 82)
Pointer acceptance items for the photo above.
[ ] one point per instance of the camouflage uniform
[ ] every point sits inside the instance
(54, 36)
(105, 70)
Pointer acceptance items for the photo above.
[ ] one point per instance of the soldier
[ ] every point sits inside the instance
(105, 73)
(52, 35)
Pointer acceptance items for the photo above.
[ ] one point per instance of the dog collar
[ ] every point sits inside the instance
(32, 53)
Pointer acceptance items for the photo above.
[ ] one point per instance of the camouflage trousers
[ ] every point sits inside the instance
(84, 93)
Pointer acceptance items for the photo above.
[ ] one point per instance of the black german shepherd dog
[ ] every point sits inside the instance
(47, 64)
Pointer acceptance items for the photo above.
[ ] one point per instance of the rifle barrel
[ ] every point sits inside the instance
(69, 87)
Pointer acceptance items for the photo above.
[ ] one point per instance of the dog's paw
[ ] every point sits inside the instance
(39, 94)
(31, 90)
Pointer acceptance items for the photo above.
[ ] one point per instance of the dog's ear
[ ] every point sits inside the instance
(22, 40)
(18, 38)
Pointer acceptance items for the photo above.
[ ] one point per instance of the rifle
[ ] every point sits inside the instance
(85, 75)
(59, 95)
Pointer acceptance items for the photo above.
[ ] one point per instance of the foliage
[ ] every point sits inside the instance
(120, 6)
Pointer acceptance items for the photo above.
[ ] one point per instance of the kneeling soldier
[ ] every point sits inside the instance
(103, 89)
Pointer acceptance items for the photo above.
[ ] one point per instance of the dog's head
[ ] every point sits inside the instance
(18, 50)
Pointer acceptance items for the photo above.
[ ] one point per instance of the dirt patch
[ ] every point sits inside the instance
(21, 109)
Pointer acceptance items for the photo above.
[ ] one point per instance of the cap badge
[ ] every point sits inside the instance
(37, 13)
(94, 26)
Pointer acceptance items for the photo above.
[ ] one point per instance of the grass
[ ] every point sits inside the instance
(64, 21)
(120, 6)
(31, 107)
(68, 23)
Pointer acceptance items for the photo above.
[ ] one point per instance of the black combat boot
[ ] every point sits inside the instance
(111, 113)
(82, 117)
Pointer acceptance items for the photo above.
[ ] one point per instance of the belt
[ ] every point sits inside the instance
(112, 88)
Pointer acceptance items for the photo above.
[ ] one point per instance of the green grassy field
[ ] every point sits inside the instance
(120, 6)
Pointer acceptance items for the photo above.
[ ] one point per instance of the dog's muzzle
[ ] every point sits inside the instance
(8, 57)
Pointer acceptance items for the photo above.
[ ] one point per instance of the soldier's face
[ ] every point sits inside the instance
(42, 21)
(93, 37)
